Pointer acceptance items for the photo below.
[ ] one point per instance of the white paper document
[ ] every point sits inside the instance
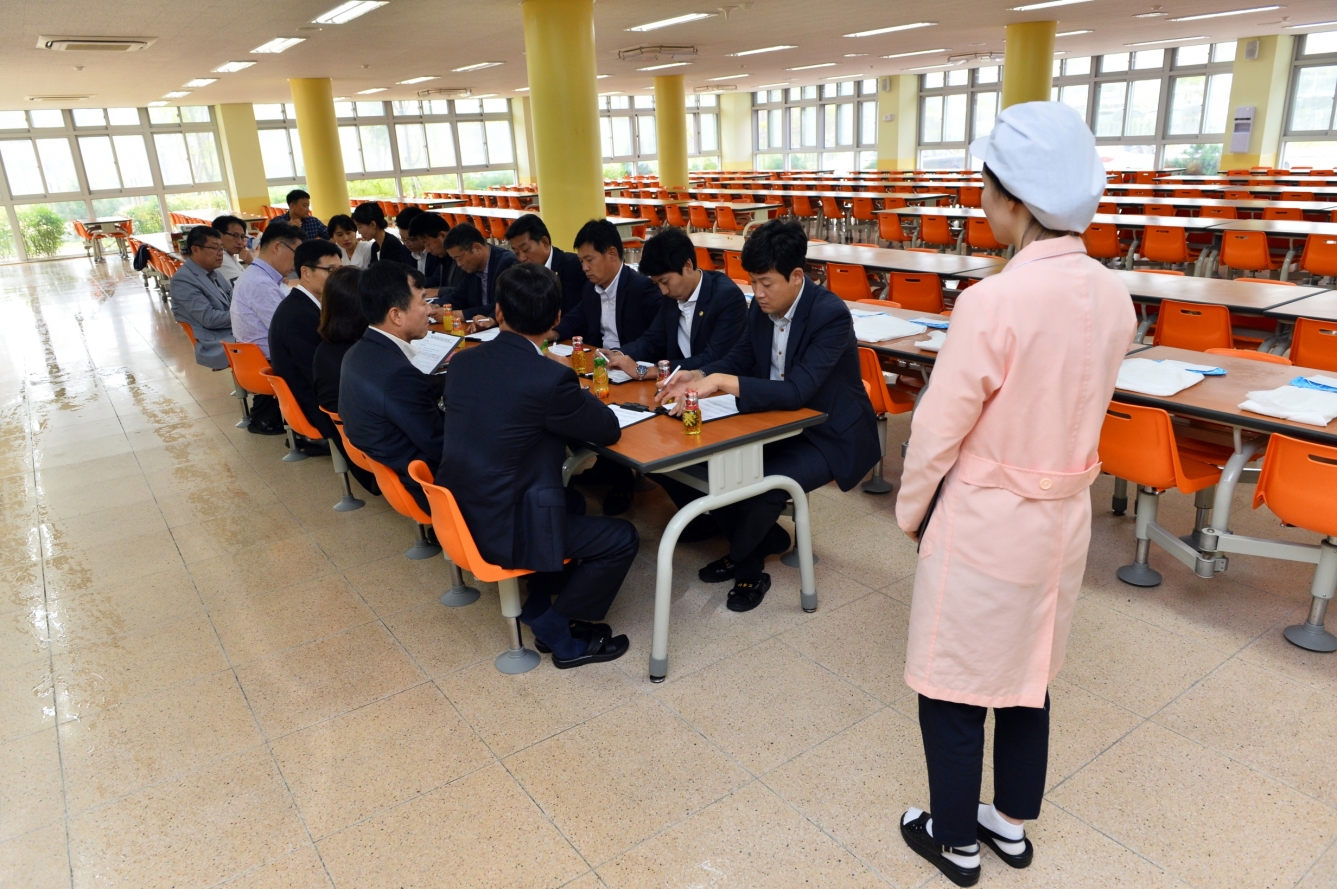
(880, 328)
(559, 350)
(626, 417)
(717, 407)
(432, 350)
(484, 336)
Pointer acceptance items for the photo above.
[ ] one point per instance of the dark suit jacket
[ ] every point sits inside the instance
(638, 304)
(326, 366)
(821, 372)
(509, 415)
(393, 250)
(721, 312)
(389, 406)
(470, 297)
(567, 268)
(431, 270)
(293, 339)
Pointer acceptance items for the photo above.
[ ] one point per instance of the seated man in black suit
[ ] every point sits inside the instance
(529, 238)
(430, 230)
(482, 264)
(388, 406)
(428, 263)
(798, 350)
(617, 304)
(509, 414)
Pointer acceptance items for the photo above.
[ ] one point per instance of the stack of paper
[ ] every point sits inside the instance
(880, 328)
(1155, 377)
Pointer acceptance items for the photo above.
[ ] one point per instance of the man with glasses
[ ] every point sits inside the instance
(294, 335)
(202, 296)
(236, 255)
(255, 296)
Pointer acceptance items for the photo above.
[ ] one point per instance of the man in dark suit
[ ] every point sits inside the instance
(427, 262)
(509, 414)
(617, 304)
(293, 335)
(482, 264)
(388, 406)
(429, 230)
(698, 323)
(530, 241)
(798, 350)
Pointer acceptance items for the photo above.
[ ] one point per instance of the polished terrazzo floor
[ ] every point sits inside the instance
(208, 677)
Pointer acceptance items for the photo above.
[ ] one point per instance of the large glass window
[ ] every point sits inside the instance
(954, 107)
(831, 126)
(1311, 132)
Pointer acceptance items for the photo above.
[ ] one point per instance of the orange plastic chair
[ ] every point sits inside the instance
(651, 216)
(1166, 243)
(497, 226)
(1237, 194)
(1283, 213)
(673, 216)
(886, 401)
(970, 196)
(802, 208)
(1246, 252)
(295, 419)
(1195, 326)
(849, 282)
(190, 332)
(861, 211)
(979, 236)
(700, 219)
(454, 533)
(1297, 195)
(1102, 241)
(1252, 355)
(1159, 210)
(733, 267)
(402, 502)
(703, 260)
(1314, 344)
(1107, 207)
(1220, 212)
(889, 228)
(917, 292)
(936, 230)
(1320, 255)
(247, 363)
(725, 221)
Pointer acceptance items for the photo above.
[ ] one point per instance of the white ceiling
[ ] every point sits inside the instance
(408, 38)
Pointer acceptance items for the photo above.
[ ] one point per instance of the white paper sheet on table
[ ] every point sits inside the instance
(934, 342)
(1154, 377)
(627, 418)
(560, 350)
(1313, 407)
(432, 350)
(880, 328)
(717, 407)
(484, 335)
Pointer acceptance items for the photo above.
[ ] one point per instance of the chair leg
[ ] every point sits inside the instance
(241, 393)
(422, 547)
(347, 503)
(1140, 573)
(877, 484)
(294, 455)
(1119, 503)
(516, 658)
(459, 594)
(1203, 502)
(790, 559)
(1311, 635)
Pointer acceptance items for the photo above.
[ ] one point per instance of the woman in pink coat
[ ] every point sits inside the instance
(1003, 448)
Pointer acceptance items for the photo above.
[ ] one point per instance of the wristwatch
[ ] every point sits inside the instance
(640, 371)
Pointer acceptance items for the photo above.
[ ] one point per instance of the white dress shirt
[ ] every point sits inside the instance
(780, 340)
(407, 348)
(311, 296)
(361, 257)
(231, 268)
(687, 310)
(608, 311)
(547, 263)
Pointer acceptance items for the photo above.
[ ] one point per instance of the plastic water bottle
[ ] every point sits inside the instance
(578, 355)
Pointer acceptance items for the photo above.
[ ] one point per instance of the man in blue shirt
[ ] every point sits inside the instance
(299, 216)
(255, 296)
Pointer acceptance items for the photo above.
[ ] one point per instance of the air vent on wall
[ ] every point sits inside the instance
(83, 98)
(459, 92)
(94, 44)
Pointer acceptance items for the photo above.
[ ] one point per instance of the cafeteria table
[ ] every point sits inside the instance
(107, 226)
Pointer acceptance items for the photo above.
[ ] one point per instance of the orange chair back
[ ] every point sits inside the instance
(891, 202)
(1144, 176)
(698, 215)
(392, 488)
(917, 292)
(703, 260)
(1283, 213)
(291, 410)
(884, 399)
(970, 196)
(1297, 195)
(1246, 251)
(1220, 213)
(453, 532)
(651, 215)
(1107, 207)
(1251, 355)
(190, 332)
(497, 226)
(889, 228)
(1320, 255)
(862, 209)
(848, 282)
(673, 215)
(1164, 243)
(1140, 192)
(247, 363)
(733, 267)
(1102, 241)
(803, 207)
(1314, 344)
(354, 453)
(935, 229)
(1296, 483)
(979, 235)
(725, 220)
(1159, 210)
(1237, 194)
(1138, 444)
(1188, 192)
(831, 209)
(1193, 326)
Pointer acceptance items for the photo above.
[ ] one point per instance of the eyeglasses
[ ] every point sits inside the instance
(213, 248)
(323, 268)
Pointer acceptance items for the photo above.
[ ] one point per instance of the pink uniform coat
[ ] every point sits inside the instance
(1012, 420)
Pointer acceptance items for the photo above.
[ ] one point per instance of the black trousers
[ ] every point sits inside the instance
(265, 411)
(601, 550)
(954, 747)
(746, 522)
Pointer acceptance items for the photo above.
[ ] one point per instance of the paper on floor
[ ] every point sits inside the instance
(880, 328)
(1155, 377)
(1313, 407)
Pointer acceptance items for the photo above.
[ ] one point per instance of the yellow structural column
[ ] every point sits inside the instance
(671, 130)
(243, 164)
(313, 100)
(564, 101)
(1259, 83)
(735, 131)
(898, 121)
(1028, 62)
(522, 121)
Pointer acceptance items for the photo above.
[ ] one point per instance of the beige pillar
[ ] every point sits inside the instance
(523, 122)
(313, 99)
(671, 130)
(1028, 62)
(243, 164)
(1260, 83)
(735, 123)
(897, 122)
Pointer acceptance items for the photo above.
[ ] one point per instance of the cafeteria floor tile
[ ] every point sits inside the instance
(210, 678)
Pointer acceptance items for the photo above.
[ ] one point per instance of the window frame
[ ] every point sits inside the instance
(825, 94)
(1289, 134)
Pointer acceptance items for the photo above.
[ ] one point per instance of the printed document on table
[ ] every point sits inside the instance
(627, 418)
(717, 407)
(559, 350)
(433, 350)
(484, 336)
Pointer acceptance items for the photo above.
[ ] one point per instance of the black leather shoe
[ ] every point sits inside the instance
(747, 595)
(916, 836)
(718, 571)
(256, 429)
(583, 630)
(600, 649)
(617, 502)
(313, 448)
(991, 839)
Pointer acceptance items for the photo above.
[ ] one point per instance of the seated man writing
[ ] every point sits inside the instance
(509, 413)
(798, 350)
(388, 406)
(530, 241)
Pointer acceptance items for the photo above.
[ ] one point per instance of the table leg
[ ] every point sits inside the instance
(97, 249)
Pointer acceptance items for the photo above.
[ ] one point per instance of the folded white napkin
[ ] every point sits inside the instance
(1155, 377)
(880, 328)
(934, 342)
(1313, 407)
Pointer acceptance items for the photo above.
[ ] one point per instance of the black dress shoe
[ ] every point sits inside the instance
(583, 630)
(991, 839)
(916, 836)
(600, 649)
(256, 429)
(703, 527)
(617, 502)
(747, 595)
(718, 571)
(314, 448)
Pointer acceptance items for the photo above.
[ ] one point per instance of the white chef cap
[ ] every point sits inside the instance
(1045, 155)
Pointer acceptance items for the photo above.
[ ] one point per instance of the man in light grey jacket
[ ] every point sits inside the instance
(202, 297)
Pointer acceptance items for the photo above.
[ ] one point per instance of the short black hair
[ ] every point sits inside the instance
(778, 245)
(464, 235)
(529, 224)
(223, 223)
(428, 225)
(198, 235)
(667, 252)
(342, 222)
(998, 186)
(279, 231)
(416, 278)
(404, 221)
(297, 194)
(600, 234)
(341, 318)
(308, 253)
(382, 287)
(369, 213)
(530, 297)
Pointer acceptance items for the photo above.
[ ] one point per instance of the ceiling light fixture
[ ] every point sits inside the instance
(346, 12)
(753, 52)
(766, 86)
(676, 20)
(279, 44)
(929, 68)
(478, 67)
(523, 89)
(156, 104)
(1311, 25)
(666, 65)
(1217, 15)
(1167, 40)
(1071, 33)
(727, 77)
(423, 79)
(810, 67)
(856, 55)
(176, 94)
(375, 89)
(918, 52)
(875, 31)
(232, 67)
(1029, 6)
(200, 81)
